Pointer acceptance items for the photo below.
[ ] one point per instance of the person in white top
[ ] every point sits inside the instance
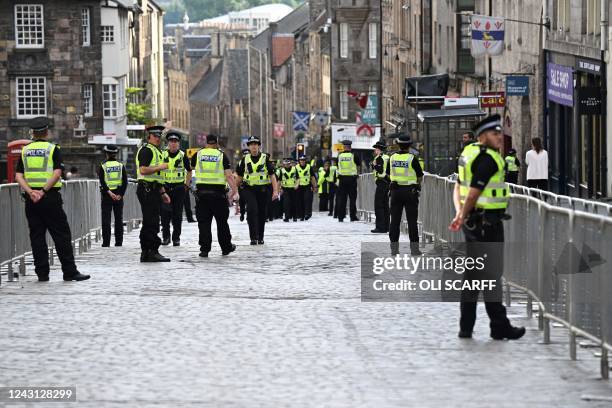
(536, 160)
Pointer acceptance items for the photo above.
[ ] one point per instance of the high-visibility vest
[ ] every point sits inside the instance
(209, 167)
(346, 164)
(303, 174)
(385, 164)
(495, 194)
(401, 170)
(256, 174)
(38, 163)
(158, 158)
(176, 172)
(288, 179)
(511, 161)
(113, 174)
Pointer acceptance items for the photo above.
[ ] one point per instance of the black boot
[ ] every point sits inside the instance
(465, 334)
(166, 241)
(414, 249)
(77, 276)
(229, 251)
(509, 332)
(144, 255)
(394, 248)
(155, 256)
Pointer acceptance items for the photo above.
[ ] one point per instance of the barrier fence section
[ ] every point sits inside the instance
(555, 254)
(82, 206)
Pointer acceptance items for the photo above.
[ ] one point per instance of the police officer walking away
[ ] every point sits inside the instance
(289, 184)
(348, 163)
(113, 184)
(151, 193)
(38, 173)
(512, 167)
(481, 198)
(307, 185)
(177, 178)
(257, 171)
(381, 196)
(405, 173)
(212, 169)
(325, 180)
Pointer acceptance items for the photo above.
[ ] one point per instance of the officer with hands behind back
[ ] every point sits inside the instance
(113, 184)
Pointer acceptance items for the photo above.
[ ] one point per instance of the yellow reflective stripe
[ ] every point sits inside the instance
(155, 161)
(256, 178)
(206, 171)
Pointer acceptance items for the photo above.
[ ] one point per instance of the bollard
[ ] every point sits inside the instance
(546, 326)
(10, 271)
(572, 345)
(50, 256)
(604, 363)
(97, 235)
(88, 241)
(22, 267)
(529, 307)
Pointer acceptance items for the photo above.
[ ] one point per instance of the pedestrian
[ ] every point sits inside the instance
(536, 160)
(333, 188)
(257, 170)
(512, 167)
(467, 139)
(38, 173)
(381, 196)
(405, 174)
(113, 184)
(348, 163)
(151, 193)
(213, 173)
(73, 173)
(325, 180)
(289, 184)
(307, 186)
(480, 199)
(177, 178)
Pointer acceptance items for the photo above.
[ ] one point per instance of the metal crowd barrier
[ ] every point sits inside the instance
(82, 206)
(558, 256)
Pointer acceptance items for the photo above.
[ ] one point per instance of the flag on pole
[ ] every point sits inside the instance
(360, 98)
(301, 121)
(487, 35)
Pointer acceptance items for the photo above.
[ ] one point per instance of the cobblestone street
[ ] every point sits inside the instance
(274, 325)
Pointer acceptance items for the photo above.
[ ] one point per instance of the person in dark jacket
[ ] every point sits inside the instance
(113, 184)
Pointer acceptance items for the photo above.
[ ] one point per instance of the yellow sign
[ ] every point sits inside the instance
(191, 152)
(339, 147)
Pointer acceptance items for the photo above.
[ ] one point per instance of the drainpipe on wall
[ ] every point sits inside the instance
(605, 166)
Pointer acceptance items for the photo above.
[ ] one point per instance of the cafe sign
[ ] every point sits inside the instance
(492, 99)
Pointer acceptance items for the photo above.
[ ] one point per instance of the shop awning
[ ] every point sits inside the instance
(442, 114)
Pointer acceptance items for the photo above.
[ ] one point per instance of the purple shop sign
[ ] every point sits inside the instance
(560, 84)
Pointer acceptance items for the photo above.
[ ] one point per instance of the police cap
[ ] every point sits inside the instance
(39, 124)
(173, 136)
(155, 130)
(404, 140)
(380, 145)
(347, 142)
(253, 139)
(493, 122)
(211, 139)
(111, 149)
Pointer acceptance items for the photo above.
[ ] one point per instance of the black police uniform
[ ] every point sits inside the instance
(188, 210)
(289, 197)
(512, 176)
(326, 201)
(111, 206)
(347, 189)
(405, 198)
(211, 201)
(381, 196)
(174, 211)
(256, 198)
(304, 197)
(331, 196)
(149, 196)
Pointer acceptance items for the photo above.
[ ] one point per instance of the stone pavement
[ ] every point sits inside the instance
(269, 326)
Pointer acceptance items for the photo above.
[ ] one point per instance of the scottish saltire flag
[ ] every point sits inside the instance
(487, 35)
(300, 121)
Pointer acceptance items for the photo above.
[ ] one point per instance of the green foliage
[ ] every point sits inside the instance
(137, 113)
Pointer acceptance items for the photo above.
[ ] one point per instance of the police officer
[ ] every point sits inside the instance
(289, 184)
(481, 198)
(257, 171)
(348, 163)
(325, 180)
(512, 167)
(381, 196)
(151, 193)
(38, 173)
(405, 174)
(333, 187)
(307, 186)
(113, 184)
(177, 178)
(213, 172)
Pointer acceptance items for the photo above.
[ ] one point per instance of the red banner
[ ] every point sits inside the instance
(279, 130)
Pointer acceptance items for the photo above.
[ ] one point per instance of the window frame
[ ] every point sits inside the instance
(344, 102)
(104, 34)
(87, 93)
(85, 27)
(18, 98)
(343, 39)
(16, 26)
(373, 42)
(112, 101)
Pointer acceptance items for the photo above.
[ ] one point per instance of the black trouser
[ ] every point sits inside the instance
(289, 202)
(173, 211)
(48, 215)
(323, 201)
(381, 205)
(404, 198)
(208, 205)
(116, 207)
(347, 189)
(256, 198)
(479, 229)
(512, 177)
(188, 211)
(241, 201)
(150, 200)
(303, 200)
(330, 198)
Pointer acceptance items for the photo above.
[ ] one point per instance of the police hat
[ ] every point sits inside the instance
(287, 160)
(404, 140)
(39, 124)
(380, 145)
(111, 149)
(493, 122)
(302, 157)
(155, 130)
(347, 142)
(211, 139)
(512, 151)
(245, 151)
(173, 136)
(253, 139)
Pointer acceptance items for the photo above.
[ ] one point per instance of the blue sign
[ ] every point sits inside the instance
(369, 116)
(517, 86)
